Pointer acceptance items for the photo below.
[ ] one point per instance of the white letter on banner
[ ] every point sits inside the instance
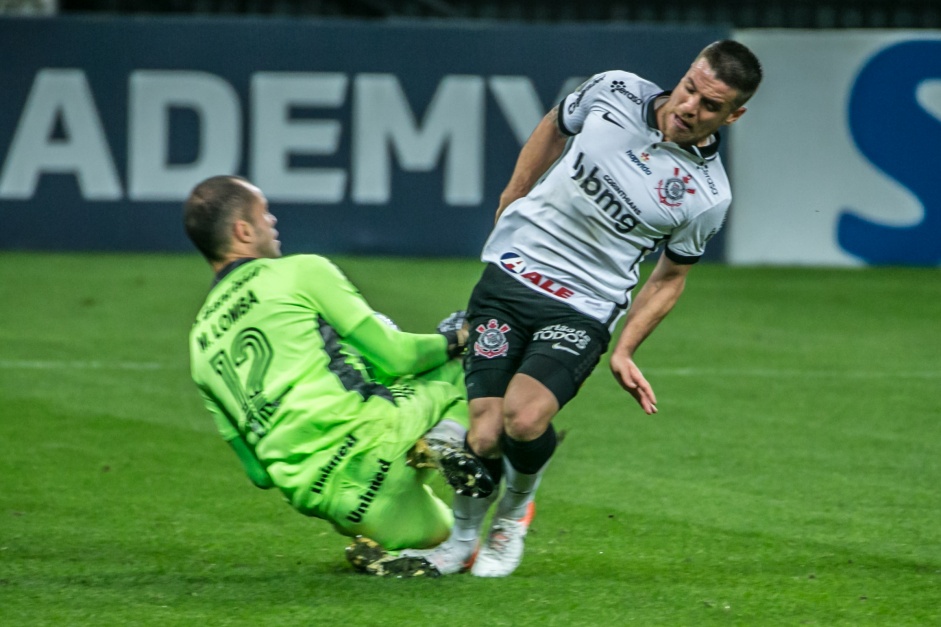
(153, 94)
(275, 136)
(520, 103)
(61, 95)
(383, 120)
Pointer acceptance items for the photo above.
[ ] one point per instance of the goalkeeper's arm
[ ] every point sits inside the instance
(229, 430)
(253, 468)
(399, 353)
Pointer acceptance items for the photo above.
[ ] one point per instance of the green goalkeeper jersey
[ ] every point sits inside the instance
(270, 358)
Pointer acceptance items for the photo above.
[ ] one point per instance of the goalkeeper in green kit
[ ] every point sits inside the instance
(318, 395)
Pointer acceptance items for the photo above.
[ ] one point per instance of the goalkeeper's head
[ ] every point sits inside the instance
(227, 218)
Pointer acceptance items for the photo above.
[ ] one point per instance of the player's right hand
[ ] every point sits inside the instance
(632, 379)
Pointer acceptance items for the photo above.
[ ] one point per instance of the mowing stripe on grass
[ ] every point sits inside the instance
(25, 364)
(796, 374)
(14, 364)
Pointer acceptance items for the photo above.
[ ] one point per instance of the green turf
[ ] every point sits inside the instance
(792, 476)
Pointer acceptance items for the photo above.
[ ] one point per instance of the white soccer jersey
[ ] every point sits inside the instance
(617, 194)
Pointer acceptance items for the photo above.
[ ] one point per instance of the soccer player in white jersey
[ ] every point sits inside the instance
(641, 171)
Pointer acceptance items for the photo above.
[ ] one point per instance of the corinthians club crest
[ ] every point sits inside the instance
(492, 340)
(672, 191)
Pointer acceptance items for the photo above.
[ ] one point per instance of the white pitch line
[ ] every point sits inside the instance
(32, 364)
(794, 374)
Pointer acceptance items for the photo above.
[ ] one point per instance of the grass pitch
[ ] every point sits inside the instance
(791, 477)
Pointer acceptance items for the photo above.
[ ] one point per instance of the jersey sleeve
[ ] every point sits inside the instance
(250, 464)
(396, 352)
(227, 428)
(688, 243)
(341, 305)
(574, 108)
(333, 295)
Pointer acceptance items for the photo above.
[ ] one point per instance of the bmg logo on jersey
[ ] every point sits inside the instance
(565, 338)
(604, 198)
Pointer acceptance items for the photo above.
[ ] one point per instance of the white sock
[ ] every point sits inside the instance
(447, 430)
(520, 491)
(469, 514)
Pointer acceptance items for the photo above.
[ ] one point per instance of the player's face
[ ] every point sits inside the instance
(266, 236)
(698, 106)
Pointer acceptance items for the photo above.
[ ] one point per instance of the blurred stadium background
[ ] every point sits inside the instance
(379, 126)
(738, 13)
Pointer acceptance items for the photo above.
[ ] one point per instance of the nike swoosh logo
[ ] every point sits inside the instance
(560, 347)
(606, 116)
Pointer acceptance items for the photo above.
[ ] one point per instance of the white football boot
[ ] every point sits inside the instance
(503, 551)
(450, 557)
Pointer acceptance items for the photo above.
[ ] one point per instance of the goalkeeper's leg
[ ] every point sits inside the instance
(382, 493)
(454, 555)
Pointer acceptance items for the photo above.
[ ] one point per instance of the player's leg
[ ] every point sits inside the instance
(496, 344)
(376, 492)
(451, 372)
(392, 505)
(495, 347)
(408, 511)
(531, 408)
(442, 446)
(557, 362)
(527, 444)
(457, 553)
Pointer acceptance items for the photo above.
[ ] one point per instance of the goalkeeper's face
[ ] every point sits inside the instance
(266, 241)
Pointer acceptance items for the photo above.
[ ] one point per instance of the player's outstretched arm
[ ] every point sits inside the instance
(653, 303)
(398, 352)
(394, 352)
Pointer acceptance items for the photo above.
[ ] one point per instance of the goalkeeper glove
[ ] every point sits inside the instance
(454, 328)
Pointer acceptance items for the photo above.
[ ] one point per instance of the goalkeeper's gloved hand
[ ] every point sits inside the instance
(455, 329)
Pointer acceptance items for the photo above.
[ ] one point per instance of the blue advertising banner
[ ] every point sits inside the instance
(856, 183)
(373, 138)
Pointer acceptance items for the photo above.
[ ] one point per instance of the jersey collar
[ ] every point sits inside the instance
(229, 267)
(703, 153)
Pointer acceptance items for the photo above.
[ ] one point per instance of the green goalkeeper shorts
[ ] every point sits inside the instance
(374, 493)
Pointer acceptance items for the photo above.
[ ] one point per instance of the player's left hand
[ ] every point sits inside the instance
(455, 329)
(632, 379)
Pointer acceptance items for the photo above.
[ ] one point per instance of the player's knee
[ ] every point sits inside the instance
(525, 424)
(484, 443)
(486, 419)
(528, 408)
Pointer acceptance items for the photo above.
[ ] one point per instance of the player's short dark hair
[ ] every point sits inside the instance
(735, 65)
(211, 209)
